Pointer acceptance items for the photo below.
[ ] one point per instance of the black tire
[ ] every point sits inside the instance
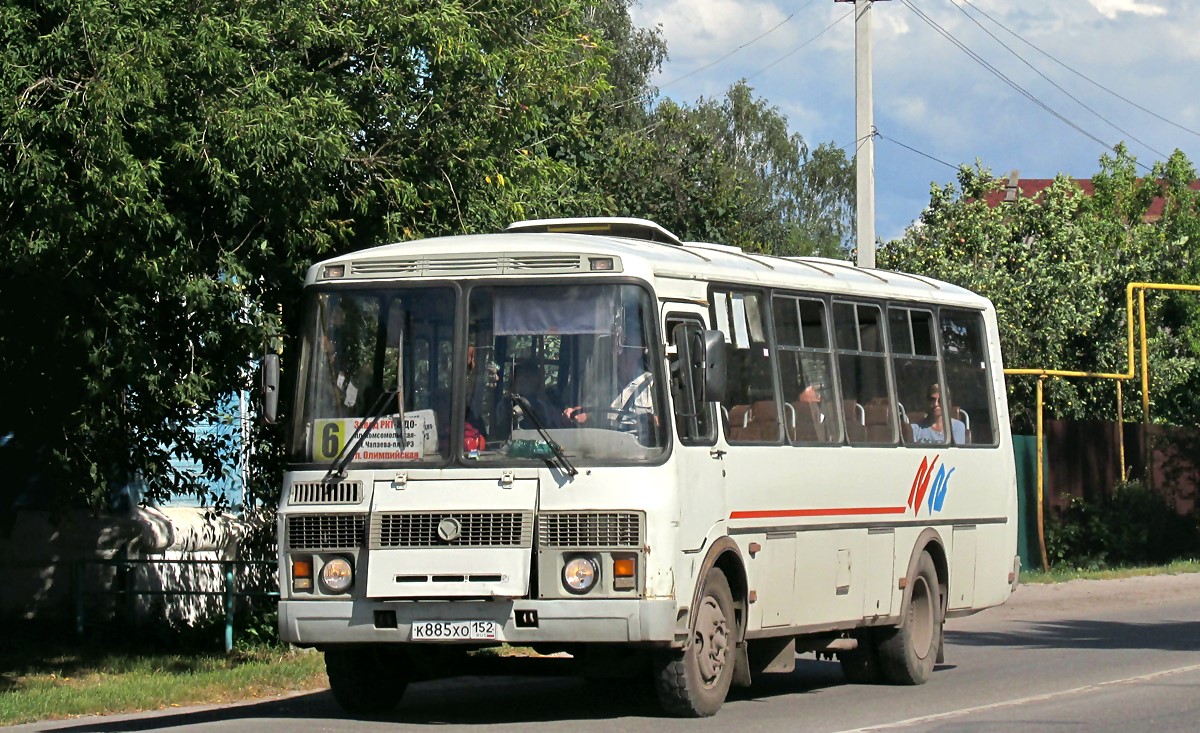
(908, 654)
(365, 681)
(861, 665)
(693, 682)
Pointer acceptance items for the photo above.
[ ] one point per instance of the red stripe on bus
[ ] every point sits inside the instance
(843, 511)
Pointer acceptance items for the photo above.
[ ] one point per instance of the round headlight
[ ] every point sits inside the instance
(336, 575)
(580, 574)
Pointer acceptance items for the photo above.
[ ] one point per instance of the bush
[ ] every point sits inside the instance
(1135, 527)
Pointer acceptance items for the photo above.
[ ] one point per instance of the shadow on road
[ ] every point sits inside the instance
(1089, 634)
(483, 701)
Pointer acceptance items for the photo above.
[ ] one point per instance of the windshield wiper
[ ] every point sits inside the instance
(337, 469)
(561, 459)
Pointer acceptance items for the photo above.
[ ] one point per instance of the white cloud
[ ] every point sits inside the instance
(704, 30)
(1112, 8)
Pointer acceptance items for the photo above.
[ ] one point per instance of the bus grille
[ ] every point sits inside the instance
(590, 529)
(319, 492)
(473, 529)
(463, 265)
(325, 531)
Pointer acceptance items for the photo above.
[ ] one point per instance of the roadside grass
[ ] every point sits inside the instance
(1063, 574)
(51, 679)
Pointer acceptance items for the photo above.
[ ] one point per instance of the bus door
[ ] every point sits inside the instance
(701, 473)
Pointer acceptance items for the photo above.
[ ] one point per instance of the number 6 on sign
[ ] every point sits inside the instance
(330, 435)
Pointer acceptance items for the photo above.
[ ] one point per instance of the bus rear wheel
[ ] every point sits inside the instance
(365, 681)
(907, 654)
(693, 683)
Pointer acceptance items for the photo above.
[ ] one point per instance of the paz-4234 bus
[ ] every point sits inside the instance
(587, 436)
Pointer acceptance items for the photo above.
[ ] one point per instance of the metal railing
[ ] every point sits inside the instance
(229, 591)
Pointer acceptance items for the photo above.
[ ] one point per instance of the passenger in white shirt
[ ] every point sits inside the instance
(932, 428)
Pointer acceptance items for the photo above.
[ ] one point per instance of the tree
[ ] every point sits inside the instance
(1056, 268)
(730, 171)
(170, 170)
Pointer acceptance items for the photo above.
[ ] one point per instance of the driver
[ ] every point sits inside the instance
(633, 403)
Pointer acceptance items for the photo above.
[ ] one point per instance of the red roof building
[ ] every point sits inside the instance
(1032, 188)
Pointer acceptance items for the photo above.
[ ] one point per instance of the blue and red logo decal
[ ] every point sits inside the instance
(933, 496)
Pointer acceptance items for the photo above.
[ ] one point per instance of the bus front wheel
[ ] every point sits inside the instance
(907, 654)
(365, 681)
(693, 682)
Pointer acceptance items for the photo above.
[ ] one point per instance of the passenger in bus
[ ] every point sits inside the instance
(932, 428)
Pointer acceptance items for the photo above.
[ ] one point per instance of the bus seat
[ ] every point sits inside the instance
(764, 421)
(878, 418)
(961, 414)
(808, 427)
(856, 431)
(739, 422)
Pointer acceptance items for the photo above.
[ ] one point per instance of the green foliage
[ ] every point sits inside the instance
(1057, 267)
(729, 171)
(170, 170)
(1136, 527)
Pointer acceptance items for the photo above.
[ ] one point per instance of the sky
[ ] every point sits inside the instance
(935, 106)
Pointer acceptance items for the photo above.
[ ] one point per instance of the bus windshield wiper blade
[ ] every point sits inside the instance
(560, 458)
(337, 469)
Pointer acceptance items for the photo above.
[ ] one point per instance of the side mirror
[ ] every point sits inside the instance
(713, 363)
(270, 388)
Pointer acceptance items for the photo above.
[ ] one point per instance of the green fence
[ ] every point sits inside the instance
(1025, 452)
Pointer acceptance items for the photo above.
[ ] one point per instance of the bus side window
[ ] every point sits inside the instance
(915, 365)
(862, 370)
(806, 370)
(750, 383)
(967, 393)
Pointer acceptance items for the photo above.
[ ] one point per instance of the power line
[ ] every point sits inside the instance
(1002, 77)
(1086, 78)
(918, 152)
(1102, 118)
(797, 48)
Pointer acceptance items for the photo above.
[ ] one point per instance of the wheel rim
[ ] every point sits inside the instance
(921, 613)
(710, 641)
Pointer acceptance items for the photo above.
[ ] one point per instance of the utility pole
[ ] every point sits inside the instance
(864, 133)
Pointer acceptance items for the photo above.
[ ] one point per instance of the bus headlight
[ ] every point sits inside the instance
(337, 575)
(580, 574)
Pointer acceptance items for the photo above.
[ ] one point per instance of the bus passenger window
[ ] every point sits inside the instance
(806, 370)
(750, 408)
(967, 390)
(915, 364)
(862, 370)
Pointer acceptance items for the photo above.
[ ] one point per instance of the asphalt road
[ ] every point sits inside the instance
(1082, 656)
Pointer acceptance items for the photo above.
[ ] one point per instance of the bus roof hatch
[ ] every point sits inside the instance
(628, 227)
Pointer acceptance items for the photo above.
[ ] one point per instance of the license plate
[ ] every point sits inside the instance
(453, 630)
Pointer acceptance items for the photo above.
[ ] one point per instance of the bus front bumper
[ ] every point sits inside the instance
(365, 622)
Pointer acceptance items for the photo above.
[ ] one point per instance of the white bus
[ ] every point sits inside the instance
(586, 436)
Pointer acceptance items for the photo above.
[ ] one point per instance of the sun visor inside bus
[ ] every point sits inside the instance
(571, 311)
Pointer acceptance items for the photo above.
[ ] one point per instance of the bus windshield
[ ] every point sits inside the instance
(573, 360)
(577, 357)
(365, 346)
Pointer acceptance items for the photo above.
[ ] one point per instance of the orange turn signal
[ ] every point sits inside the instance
(302, 578)
(624, 568)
